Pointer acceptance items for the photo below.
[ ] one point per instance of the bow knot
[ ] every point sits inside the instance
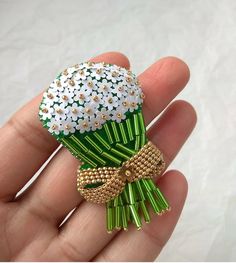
(99, 185)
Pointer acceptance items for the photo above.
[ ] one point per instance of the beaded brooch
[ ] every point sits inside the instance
(95, 111)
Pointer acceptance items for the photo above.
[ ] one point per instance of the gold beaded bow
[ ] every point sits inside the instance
(100, 185)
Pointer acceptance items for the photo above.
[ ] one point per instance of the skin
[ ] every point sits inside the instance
(30, 225)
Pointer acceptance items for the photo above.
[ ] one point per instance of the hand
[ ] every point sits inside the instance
(30, 224)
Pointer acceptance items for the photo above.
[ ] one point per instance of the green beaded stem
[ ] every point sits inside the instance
(112, 145)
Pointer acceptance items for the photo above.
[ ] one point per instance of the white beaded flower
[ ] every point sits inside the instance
(96, 98)
(120, 90)
(54, 126)
(83, 97)
(66, 97)
(68, 126)
(60, 112)
(95, 123)
(71, 70)
(83, 125)
(98, 73)
(45, 112)
(57, 85)
(50, 97)
(89, 83)
(110, 101)
(89, 109)
(104, 87)
(103, 115)
(119, 114)
(75, 111)
(82, 74)
(112, 76)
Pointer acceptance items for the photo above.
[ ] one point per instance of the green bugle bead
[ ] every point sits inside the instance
(162, 198)
(142, 140)
(129, 129)
(135, 216)
(123, 133)
(94, 144)
(140, 190)
(145, 212)
(137, 142)
(108, 133)
(102, 141)
(115, 131)
(136, 125)
(124, 156)
(141, 123)
(153, 203)
(125, 149)
(80, 144)
(109, 214)
(118, 217)
(112, 158)
(96, 157)
(124, 218)
(131, 194)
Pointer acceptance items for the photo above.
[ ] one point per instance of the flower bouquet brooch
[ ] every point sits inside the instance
(95, 111)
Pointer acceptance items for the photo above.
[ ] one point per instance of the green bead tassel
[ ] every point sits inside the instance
(132, 204)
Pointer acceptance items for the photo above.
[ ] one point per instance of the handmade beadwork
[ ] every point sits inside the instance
(95, 111)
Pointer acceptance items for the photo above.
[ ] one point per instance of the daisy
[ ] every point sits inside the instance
(112, 76)
(72, 85)
(97, 65)
(112, 68)
(72, 70)
(90, 109)
(82, 95)
(75, 111)
(110, 101)
(62, 82)
(54, 126)
(89, 83)
(68, 126)
(50, 97)
(133, 104)
(80, 66)
(67, 73)
(60, 112)
(95, 123)
(81, 74)
(123, 71)
(83, 125)
(125, 103)
(140, 97)
(119, 90)
(98, 73)
(57, 85)
(45, 112)
(128, 80)
(104, 86)
(66, 96)
(88, 64)
(103, 115)
(96, 98)
(119, 114)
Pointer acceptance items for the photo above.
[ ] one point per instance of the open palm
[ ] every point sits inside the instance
(31, 225)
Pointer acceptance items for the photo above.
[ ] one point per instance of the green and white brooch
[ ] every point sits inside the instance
(95, 111)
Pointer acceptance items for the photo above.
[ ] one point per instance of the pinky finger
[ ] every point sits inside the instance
(146, 245)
